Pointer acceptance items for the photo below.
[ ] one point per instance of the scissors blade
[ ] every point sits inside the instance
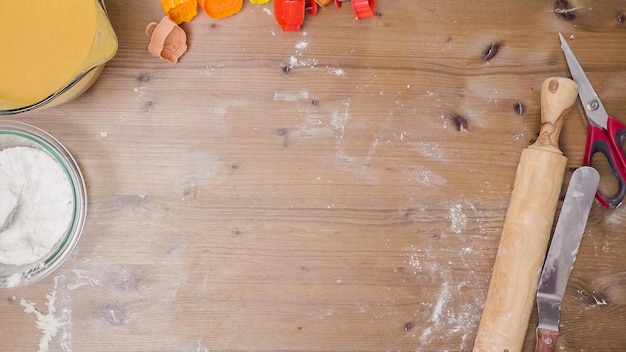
(591, 102)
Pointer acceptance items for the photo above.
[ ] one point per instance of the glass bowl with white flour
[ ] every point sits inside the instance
(43, 204)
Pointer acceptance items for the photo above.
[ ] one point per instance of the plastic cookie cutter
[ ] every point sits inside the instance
(290, 13)
(220, 8)
(362, 8)
(167, 40)
(180, 10)
(323, 3)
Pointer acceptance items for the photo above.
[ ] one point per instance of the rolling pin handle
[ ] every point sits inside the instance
(558, 94)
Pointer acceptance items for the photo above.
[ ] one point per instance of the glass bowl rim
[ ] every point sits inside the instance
(68, 242)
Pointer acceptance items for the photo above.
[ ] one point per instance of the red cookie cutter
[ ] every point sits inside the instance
(362, 8)
(290, 13)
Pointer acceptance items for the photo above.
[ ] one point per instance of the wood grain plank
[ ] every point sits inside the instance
(312, 191)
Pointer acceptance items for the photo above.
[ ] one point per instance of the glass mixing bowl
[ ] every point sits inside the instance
(18, 134)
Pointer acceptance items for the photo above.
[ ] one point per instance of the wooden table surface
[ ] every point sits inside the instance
(340, 188)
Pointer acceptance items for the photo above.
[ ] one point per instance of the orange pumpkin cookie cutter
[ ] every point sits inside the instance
(167, 40)
(220, 8)
(180, 10)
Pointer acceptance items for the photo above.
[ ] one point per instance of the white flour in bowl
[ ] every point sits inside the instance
(44, 204)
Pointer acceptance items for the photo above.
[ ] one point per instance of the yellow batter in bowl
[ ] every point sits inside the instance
(52, 51)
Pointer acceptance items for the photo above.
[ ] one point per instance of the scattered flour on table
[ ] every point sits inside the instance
(291, 96)
(44, 204)
(451, 314)
(218, 113)
(617, 217)
(429, 150)
(339, 120)
(302, 45)
(454, 311)
(458, 219)
(53, 322)
(199, 347)
(441, 300)
(46, 323)
(423, 175)
(518, 136)
(326, 121)
(300, 62)
(337, 71)
(342, 160)
(298, 59)
(295, 62)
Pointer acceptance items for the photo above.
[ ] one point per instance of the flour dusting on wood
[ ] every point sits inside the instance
(458, 219)
(296, 60)
(302, 45)
(451, 314)
(300, 62)
(52, 322)
(444, 296)
(46, 323)
(337, 71)
(421, 174)
(291, 96)
(429, 150)
(616, 217)
(299, 59)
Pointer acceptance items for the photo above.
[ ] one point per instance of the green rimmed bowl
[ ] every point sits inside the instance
(18, 134)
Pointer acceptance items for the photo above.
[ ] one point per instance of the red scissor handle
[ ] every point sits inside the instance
(611, 145)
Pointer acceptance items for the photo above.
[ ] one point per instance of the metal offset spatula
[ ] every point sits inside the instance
(562, 254)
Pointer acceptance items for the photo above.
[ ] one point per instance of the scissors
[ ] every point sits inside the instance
(605, 134)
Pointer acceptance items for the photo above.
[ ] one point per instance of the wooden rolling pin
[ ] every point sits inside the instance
(527, 227)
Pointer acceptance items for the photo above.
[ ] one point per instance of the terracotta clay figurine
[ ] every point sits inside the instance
(167, 40)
